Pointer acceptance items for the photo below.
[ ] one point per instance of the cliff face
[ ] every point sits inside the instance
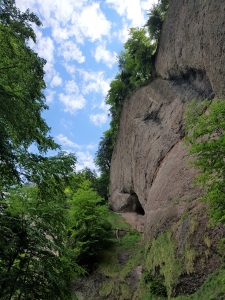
(149, 171)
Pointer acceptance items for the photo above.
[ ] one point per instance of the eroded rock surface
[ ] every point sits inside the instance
(150, 158)
(192, 43)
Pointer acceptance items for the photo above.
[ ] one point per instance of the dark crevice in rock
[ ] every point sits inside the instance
(193, 79)
(133, 205)
(153, 116)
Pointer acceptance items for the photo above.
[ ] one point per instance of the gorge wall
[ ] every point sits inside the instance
(149, 171)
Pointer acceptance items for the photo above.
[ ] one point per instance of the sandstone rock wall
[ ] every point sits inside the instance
(192, 43)
(149, 158)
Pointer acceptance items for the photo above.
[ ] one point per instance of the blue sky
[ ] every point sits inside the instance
(80, 39)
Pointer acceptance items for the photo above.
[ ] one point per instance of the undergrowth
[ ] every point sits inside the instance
(161, 267)
(117, 284)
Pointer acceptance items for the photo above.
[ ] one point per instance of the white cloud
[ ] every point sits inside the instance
(56, 80)
(84, 159)
(60, 34)
(57, 15)
(49, 96)
(71, 87)
(24, 4)
(132, 11)
(70, 69)
(123, 33)
(102, 54)
(63, 140)
(72, 100)
(45, 48)
(62, 11)
(93, 23)
(94, 82)
(99, 119)
(70, 51)
(69, 18)
(104, 106)
(135, 12)
(91, 146)
(146, 5)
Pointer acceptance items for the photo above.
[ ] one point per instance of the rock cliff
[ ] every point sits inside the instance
(149, 171)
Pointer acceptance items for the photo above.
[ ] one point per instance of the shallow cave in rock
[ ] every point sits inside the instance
(133, 205)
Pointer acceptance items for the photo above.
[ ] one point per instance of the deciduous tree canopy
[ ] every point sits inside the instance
(21, 92)
(34, 261)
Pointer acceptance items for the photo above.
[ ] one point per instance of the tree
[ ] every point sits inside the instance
(103, 161)
(135, 69)
(90, 231)
(205, 126)
(21, 92)
(91, 176)
(136, 61)
(156, 18)
(34, 260)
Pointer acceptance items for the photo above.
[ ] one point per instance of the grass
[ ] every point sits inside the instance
(184, 216)
(117, 221)
(129, 241)
(189, 257)
(106, 288)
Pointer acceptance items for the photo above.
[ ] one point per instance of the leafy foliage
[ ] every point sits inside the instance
(90, 231)
(156, 18)
(205, 127)
(155, 284)
(91, 176)
(135, 68)
(21, 92)
(34, 261)
(103, 160)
